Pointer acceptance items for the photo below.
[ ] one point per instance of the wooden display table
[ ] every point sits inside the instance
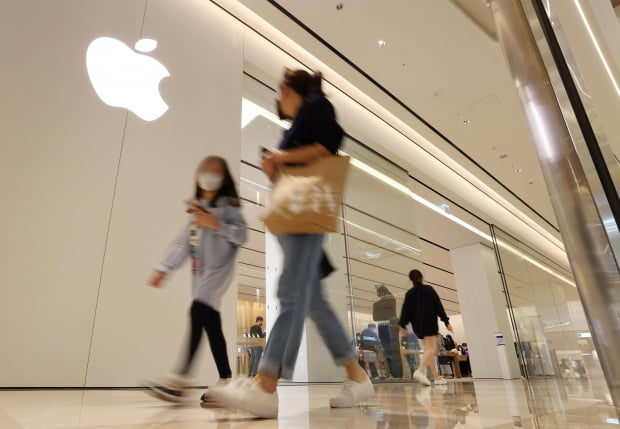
(456, 358)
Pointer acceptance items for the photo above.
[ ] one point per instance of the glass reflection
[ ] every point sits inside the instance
(553, 334)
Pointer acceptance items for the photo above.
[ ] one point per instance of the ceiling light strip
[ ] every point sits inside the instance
(385, 237)
(405, 190)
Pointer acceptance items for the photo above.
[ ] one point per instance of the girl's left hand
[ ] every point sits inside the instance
(206, 219)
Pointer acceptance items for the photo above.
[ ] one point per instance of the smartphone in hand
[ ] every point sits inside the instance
(191, 205)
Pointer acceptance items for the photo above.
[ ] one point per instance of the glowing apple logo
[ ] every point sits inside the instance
(124, 78)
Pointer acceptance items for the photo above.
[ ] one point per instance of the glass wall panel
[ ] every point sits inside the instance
(553, 338)
(256, 131)
(382, 249)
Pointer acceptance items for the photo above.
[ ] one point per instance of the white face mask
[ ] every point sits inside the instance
(210, 181)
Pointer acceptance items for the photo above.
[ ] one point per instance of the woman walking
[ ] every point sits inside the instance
(212, 238)
(421, 308)
(314, 134)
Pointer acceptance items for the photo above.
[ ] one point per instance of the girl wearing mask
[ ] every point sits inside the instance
(212, 239)
(421, 308)
(314, 134)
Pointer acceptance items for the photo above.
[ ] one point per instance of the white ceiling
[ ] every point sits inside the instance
(443, 67)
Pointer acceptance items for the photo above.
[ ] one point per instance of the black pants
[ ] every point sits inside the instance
(204, 317)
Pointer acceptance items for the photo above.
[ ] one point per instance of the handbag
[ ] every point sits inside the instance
(326, 266)
(307, 199)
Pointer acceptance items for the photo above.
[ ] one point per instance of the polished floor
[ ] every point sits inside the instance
(469, 404)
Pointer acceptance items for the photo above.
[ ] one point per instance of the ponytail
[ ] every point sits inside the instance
(303, 82)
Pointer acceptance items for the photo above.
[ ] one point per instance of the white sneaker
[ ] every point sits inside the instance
(247, 396)
(171, 388)
(222, 382)
(352, 393)
(441, 381)
(421, 378)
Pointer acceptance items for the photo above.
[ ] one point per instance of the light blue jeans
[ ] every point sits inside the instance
(301, 295)
(256, 353)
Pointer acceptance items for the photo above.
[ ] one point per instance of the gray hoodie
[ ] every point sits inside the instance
(217, 251)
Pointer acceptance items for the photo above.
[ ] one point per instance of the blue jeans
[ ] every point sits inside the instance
(301, 295)
(255, 354)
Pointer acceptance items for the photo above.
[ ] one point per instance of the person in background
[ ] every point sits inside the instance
(211, 239)
(360, 352)
(369, 345)
(256, 331)
(370, 339)
(314, 134)
(256, 352)
(441, 344)
(410, 342)
(465, 365)
(421, 308)
(449, 343)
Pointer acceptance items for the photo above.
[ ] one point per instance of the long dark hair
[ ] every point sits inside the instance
(228, 188)
(304, 83)
(416, 277)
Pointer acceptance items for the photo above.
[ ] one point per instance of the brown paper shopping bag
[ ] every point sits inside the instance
(307, 199)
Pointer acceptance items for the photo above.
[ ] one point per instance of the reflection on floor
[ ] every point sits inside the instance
(479, 404)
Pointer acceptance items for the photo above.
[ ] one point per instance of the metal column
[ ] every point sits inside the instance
(585, 239)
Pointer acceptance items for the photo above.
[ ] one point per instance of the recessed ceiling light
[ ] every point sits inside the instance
(381, 43)
(466, 122)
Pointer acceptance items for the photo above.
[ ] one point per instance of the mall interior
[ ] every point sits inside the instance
(481, 137)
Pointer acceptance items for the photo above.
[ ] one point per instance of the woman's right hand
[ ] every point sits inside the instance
(157, 279)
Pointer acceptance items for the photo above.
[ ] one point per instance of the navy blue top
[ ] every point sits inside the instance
(370, 340)
(315, 123)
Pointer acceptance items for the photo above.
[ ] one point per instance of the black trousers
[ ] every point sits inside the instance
(204, 317)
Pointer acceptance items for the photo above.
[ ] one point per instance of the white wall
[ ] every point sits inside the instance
(483, 310)
(203, 49)
(59, 151)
